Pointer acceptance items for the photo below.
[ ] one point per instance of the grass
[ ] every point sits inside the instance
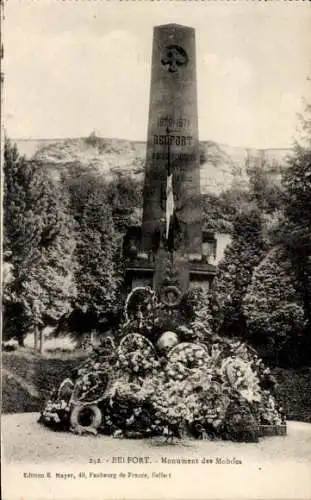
(27, 373)
(16, 398)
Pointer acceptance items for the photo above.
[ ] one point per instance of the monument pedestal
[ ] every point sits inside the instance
(143, 271)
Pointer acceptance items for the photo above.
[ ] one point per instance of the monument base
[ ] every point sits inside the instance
(141, 273)
(141, 267)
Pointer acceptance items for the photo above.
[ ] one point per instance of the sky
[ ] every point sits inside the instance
(73, 67)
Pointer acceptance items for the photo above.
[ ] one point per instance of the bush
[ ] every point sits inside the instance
(272, 307)
(293, 390)
(234, 272)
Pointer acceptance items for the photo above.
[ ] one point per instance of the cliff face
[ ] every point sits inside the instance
(221, 166)
(225, 165)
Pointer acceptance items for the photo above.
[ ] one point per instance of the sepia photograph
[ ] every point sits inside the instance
(156, 250)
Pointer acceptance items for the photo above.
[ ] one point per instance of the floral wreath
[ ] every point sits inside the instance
(139, 302)
(170, 296)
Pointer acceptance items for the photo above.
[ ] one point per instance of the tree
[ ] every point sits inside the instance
(95, 254)
(38, 234)
(296, 233)
(234, 272)
(217, 212)
(50, 289)
(23, 206)
(267, 195)
(272, 306)
(278, 302)
(125, 198)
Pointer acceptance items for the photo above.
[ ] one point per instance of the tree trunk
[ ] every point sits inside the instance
(36, 334)
(21, 341)
(41, 341)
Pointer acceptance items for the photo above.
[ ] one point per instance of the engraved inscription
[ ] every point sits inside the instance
(177, 123)
(178, 140)
(174, 156)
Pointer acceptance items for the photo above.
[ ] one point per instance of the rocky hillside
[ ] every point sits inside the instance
(221, 165)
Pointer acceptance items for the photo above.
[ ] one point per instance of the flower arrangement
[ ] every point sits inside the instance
(158, 382)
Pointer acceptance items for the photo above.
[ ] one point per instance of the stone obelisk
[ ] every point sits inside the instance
(168, 252)
(172, 172)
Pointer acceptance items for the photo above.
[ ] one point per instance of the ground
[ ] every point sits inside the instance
(26, 441)
(276, 467)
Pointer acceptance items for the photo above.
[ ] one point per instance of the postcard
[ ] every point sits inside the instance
(156, 270)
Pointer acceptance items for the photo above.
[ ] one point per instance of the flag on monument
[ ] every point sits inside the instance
(169, 202)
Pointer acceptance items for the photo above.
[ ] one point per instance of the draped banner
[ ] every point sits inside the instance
(169, 202)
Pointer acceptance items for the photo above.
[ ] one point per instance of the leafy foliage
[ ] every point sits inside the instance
(297, 178)
(234, 272)
(218, 212)
(296, 233)
(64, 255)
(96, 246)
(267, 195)
(125, 197)
(272, 306)
(277, 305)
(38, 234)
